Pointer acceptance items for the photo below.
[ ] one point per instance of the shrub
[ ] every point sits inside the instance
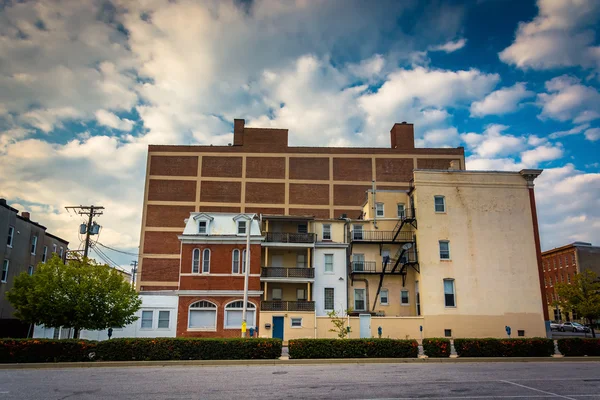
(579, 347)
(142, 349)
(436, 347)
(46, 350)
(352, 348)
(534, 347)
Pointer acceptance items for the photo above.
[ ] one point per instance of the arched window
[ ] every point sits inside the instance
(233, 315)
(206, 261)
(235, 261)
(196, 261)
(203, 316)
(244, 262)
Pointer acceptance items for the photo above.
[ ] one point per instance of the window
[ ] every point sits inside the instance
(296, 322)
(241, 227)
(196, 261)
(357, 232)
(203, 316)
(449, 297)
(404, 297)
(202, 225)
(568, 278)
(358, 262)
(326, 231)
(11, 234)
(329, 263)
(147, 319)
(302, 228)
(384, 297)
(359, 299)
(60, 253)
(440, 204)
(520, 332)
(448, 332)
(54, 248)
(45, 254)
(243, 261)
(559, 263)
(233, 315)
(163, 319)
(329, 298)
(276, 294)
(4, 271)
(444, 250)
(206, 261)
(379, 210)
(561, 278)
(401, 211)
(566, 261)
(554, 262)
(301, 260)
(573, 259)
(417, 298)
(235, 261)
(30, 270)
(300, 294)
(34, 240)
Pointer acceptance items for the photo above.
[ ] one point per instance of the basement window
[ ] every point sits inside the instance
(521, 333)
(448, 332)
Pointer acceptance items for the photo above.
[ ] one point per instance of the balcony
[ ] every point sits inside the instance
(294, 238)
(381, 236)
(278, 272)
(364, 266)
(278, 305)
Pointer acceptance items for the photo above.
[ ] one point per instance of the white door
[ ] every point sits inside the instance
(384, 254)
(365, 326)
(277, 260)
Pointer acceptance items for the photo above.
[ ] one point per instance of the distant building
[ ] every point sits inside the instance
(560, 265)
(25, 244)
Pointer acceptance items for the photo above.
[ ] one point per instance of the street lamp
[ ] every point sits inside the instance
(246, 276)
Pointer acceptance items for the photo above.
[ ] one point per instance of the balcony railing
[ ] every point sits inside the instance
(284, 237)
(278, 272)
(380, 236)
(364, 266)
(278, 305)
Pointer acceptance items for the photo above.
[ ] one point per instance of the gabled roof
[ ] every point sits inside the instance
(222, 224)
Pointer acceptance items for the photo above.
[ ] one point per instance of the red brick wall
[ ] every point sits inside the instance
(352, 169)
(265, 193)
(222, 166)
(265, 167)
(167, 190)
(433, 163)
(167, 216)
(309, 168)
(174, 165)
(160, 270)
(394, 169)
(350, 195)
(301, 193)
(221, 192)
(161, 243)
(219, 209)
(262, 210)
(221, 258)
(310, 211)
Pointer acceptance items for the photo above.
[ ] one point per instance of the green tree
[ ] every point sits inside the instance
(581, 296)
(339, 323)
(81, 294)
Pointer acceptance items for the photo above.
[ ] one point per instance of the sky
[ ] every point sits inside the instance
(86, 85)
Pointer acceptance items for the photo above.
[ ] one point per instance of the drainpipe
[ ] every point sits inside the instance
(374, 206)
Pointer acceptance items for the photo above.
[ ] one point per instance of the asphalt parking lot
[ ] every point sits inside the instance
(508, 380)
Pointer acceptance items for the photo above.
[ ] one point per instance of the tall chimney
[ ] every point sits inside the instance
(403, 136)
(238, 132)
(25, 215)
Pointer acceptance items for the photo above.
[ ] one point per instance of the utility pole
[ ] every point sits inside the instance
(133, 272)
(91, 212)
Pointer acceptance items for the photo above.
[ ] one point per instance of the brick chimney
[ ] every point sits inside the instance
(25, 214)
(403, 136)
(238, 132)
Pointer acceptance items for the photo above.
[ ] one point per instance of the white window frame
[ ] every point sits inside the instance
(30, 270)
(278, 298)
(363, 299)
(325, 298)
(326, 231)
(4, 272)
(200, 222)
(355, 231)
(301, 294)
(192, 309)
(443, 203)
(250, 307)
(407, 297)
(325, 270)
(54, 247)
(196, 261)
(233, 262)
(11, 236)
(302, 264)
(151, 320)
(61, 251)
(168, 319)
(241, 223)
(401, 213)
(453, 292)
(205, 265)
(447, 242)
(379, 207)
(292, 322)
(387, 297)
(34, 240)
(45, 254)
(243, 261)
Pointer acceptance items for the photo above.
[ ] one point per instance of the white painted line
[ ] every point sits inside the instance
(538, 390)
(533, 396)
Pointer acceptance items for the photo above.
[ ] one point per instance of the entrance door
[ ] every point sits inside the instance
(365, 326)
(278, 328)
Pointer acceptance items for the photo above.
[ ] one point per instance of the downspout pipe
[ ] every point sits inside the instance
(374, 205)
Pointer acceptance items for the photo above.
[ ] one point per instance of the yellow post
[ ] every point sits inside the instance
(307, 292)
(308, 258)
(266, 257)
(266, 293)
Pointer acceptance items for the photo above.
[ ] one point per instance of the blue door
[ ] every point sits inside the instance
(278, 328)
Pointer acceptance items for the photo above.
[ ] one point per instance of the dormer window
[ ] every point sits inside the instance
(241, 227)
(202, 227)
(204, 221)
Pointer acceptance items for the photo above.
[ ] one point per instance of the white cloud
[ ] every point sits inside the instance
(573, 131)
(443, 137)
(112, 121)
(540, 154)
(561, 35)
(449, 47)
(502, 101)
(493, 142)
(592, 134)
(567, 99)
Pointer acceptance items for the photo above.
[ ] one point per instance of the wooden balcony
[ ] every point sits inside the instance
(381, 236)
(278, 272)
(294, 238)
(278, 305)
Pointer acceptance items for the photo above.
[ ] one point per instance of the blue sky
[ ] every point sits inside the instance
(86, 85)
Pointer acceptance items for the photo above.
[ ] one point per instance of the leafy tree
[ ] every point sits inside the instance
(81, 294)
(581, 296)
(339, 322)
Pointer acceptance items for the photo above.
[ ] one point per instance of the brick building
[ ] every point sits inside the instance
(560, 264)
(260, 173)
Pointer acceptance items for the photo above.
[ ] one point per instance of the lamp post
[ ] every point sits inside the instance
(246, 275)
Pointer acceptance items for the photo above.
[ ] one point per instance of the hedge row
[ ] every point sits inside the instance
(579, 347)
(534, 347)
(436, 347)
(353, 348)
(145, 349)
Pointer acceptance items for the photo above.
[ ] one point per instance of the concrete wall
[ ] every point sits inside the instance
(337, 230)
(392, 327)
(335, 280)
(493, 259)
(588, 257)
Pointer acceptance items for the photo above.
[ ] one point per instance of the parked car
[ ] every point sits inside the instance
(573, 327)
(554, 325)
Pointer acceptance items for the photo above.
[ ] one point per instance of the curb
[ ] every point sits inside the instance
(279, 362)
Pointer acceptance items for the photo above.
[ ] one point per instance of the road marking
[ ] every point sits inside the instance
(534, 396)
(538, 390)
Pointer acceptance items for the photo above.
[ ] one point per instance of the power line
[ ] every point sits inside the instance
(118, 251)
(91, 212)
